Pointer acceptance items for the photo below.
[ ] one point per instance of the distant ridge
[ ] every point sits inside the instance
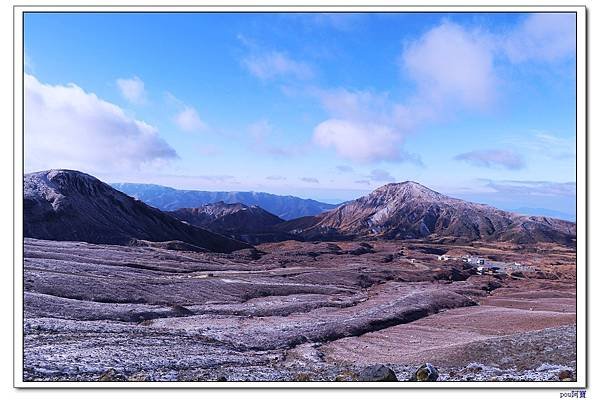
(169, 199)
(533, 211)
(71, 205)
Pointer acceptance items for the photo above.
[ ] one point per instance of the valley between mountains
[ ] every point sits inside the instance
(220, 290)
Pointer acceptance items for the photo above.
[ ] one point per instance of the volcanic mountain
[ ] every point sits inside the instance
(251, 224)
(71, 205)
(409, 210)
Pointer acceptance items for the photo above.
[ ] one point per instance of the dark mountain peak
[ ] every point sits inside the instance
(62, 204)
(62, 179)
(64, 188)
(58, 174)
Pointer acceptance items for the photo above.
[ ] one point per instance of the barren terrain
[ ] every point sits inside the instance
(296, 311)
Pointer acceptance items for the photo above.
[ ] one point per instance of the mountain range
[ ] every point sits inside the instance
(71, 205)
(169, 199)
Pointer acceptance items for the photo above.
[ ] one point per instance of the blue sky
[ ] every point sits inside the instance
(327, 106)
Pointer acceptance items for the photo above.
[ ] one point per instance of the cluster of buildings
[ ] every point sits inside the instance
(484, 267)
(467, 258)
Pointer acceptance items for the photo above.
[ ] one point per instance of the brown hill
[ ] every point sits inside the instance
(251, 224)
(409, 210)
(222, 217)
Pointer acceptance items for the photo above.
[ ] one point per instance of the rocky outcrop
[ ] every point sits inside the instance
(377, 373)
(426, 373)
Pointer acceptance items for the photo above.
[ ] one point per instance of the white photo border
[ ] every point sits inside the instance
(581, 190)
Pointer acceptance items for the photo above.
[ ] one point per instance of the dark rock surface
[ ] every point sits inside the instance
(565, 375)
(70, 205)
(426, 373)
(377, 373)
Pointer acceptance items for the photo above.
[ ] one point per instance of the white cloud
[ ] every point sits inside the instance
(344, 168)
(309, 180)
(355, 104)
(452, 68)
(132, 89)
(544, 144)
(276, 178)
(450, 64)
(533, 188)
(361, 127)
(490, 158)
(380, 175)
(554, 146)
(358, 141)
(274, 64)
(188, 120)
(28, 62)
(66, 127)
(364, 127)
(262, 139)
(542, 37)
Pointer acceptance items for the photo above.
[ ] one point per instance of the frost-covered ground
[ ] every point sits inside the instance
(288, 312)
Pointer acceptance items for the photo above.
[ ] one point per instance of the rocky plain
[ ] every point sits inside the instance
(295, 311)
